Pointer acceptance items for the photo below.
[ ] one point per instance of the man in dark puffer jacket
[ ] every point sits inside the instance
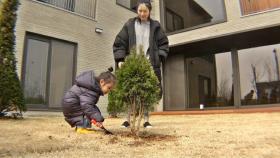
(79, 103)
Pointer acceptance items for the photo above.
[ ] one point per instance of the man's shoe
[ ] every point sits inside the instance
(125, 124)
(147, 125)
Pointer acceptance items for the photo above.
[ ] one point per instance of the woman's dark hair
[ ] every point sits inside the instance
(146, 2)
(107, 76)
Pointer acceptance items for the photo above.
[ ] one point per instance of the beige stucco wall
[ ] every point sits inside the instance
(156, 10)
(94, 50)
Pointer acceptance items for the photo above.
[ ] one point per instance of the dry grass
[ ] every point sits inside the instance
(229, 135)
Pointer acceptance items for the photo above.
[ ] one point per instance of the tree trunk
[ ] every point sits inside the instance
(140, 117)
(133, 131)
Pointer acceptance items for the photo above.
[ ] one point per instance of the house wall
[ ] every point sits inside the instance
(94, 51)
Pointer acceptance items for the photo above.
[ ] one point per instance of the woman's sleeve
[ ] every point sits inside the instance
(162, 42)
(120, 46)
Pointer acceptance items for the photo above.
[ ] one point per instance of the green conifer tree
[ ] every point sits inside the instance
(115, 104)
(137, 87)
(11, 94)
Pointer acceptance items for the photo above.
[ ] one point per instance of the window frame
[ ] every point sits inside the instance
(173, 14)
(48, 39)
(69, 11)
(130, 9)
(163, 16)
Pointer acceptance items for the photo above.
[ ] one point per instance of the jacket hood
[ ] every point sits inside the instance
(87, 80)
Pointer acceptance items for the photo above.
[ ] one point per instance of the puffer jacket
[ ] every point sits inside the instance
(126, 40)
(80, 100)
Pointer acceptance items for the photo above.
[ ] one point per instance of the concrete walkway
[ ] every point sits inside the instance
(224, 111)
(42, 113)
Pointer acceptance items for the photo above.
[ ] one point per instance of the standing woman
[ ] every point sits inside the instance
(147, 34)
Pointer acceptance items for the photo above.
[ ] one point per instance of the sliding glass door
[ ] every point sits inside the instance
(48, 70)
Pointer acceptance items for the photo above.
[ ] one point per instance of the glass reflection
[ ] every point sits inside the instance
(259, 75)
(210, 80)
(181, 14)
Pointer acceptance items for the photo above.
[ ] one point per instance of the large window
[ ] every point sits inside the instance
(48, 70)
(259, 75)
(190, 14)
(254, 6)
(83, 7)
(173, 21)
(36, 71)
(65, 4)
(129, 4)
(210, 81)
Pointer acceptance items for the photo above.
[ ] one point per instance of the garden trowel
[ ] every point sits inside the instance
(103, 128)
(106, 131)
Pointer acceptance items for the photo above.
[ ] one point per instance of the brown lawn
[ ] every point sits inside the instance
(221, 135)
